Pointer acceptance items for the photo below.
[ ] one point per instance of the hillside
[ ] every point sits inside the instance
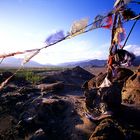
(55, 107)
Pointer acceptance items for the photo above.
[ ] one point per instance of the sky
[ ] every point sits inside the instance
(25, 24)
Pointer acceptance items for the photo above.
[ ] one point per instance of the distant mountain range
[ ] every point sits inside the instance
(16, 62)
(86, 63)
(95, 63)
(137, 61)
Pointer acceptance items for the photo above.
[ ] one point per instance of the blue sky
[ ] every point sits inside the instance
(25, 24)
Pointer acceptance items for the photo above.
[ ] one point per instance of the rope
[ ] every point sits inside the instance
(137, 2)
(129, 33)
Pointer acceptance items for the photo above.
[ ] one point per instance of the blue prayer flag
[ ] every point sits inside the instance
(55, 37)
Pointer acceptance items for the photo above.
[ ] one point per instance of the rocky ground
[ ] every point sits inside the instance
(55, 108)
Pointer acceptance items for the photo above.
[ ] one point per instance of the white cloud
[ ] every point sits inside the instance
(133, 48)
(70, 51)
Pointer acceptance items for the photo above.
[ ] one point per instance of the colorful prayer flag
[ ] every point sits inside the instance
(107, 22)
(79, 27)
(97, 22)
(119, 35)
(101, 21)
(30, 56)
(55, 37)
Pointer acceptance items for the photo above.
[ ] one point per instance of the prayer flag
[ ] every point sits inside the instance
(101, 21)
(119, 35)
(117, 2)
(10, 54)
(79, 27)
(55, 38)
(30, 56)
(97, 22)
(107, 22)
(105, 83)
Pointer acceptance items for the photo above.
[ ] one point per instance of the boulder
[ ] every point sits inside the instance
(108, 129)
(122, 74)
(103, 100)
(71, 77)
(51, 87)
(131, 90)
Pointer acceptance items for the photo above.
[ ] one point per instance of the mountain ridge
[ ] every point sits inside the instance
(16, 62)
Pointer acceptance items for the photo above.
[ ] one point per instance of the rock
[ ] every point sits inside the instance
(76, 76)
(101, 100)
(108, 129)
(39, 135)
(131, 90)
(5, 75)
(51, 87)
(122, 74)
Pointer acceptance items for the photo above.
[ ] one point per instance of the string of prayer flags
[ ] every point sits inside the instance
(10, 54)
(54, 38)
(30, 56)
(79, 27)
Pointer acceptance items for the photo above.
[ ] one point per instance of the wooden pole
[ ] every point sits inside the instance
(113, 32)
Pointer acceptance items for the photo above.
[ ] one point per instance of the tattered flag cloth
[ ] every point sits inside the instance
(105, 83)
(97, 22)
(117, 2)
(10, 54)
(119, 35)
(78, 27)
(30, 56)
(54, 38)
(101, 21)
(120, 2)
(107, 22)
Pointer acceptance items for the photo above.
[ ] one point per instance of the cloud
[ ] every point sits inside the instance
(134, 49)
(70, 51)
